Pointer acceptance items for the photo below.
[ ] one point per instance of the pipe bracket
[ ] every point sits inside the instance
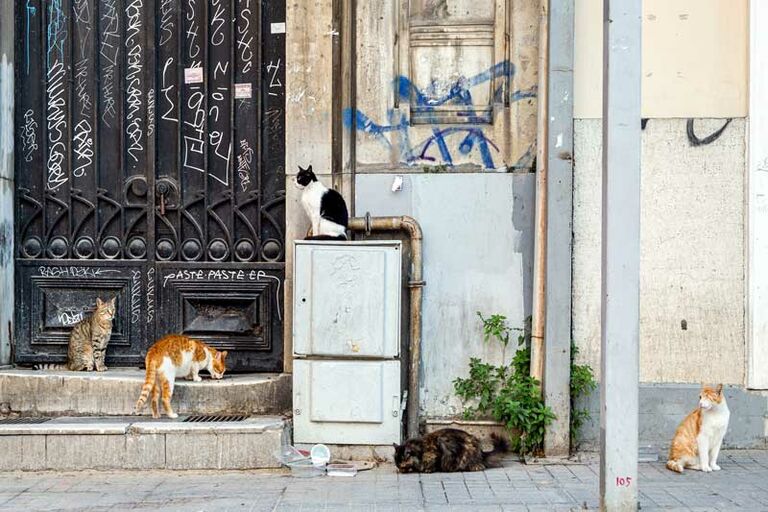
(368, 224)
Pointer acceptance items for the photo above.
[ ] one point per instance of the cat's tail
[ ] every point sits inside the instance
(50, 367)
(675, 465)
(146, 389)
(500, 447)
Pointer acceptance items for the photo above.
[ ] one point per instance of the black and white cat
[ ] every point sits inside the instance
(325, 207)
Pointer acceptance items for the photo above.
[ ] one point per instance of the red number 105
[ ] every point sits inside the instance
(622, 481)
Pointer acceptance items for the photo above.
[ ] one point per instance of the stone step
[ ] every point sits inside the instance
(75, 443)
(114, 393)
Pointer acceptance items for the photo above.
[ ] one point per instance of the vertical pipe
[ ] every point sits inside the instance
(620, 254)
(415, 284)
(7, 20)
(540, 237)
(557, 328)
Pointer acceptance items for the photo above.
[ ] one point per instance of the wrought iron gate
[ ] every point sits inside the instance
(150, 167)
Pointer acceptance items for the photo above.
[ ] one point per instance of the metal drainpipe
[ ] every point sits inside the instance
(540, 236)
(409, 225)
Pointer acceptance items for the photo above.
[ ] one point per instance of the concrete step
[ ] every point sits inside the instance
(114, 393)
(75, 443)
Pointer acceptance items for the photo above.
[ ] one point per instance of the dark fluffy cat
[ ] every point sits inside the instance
(324, 206)
(446, 451)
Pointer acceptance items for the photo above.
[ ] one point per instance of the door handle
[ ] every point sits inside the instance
(162, 191)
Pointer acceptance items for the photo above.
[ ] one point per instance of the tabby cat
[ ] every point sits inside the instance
(697, 440)
(88, 341)
(447, 450)
(174, 356)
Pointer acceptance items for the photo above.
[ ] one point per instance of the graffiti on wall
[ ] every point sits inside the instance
(445, 144)
(709, 139)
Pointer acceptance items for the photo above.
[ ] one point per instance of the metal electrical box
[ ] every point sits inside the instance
(346, 342)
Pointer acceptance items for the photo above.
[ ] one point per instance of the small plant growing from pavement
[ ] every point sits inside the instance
(507, 393)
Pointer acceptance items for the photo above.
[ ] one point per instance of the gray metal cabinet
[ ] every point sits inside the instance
(346, 339)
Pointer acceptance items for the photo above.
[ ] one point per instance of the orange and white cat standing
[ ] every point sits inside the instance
(697, 440)
(174, 356)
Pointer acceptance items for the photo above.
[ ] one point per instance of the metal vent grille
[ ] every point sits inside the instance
(212, 418)
(22, 421)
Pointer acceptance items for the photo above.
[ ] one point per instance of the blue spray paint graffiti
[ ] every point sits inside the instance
(459, 93)
(463, 138)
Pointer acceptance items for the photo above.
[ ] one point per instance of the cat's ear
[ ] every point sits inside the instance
(99, 303)
(112, 302)
(223, 354)
(719, 389)
(310, 168)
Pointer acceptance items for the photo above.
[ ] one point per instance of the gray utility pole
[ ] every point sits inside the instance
(6, 178)
(557, 331)
(620, 255)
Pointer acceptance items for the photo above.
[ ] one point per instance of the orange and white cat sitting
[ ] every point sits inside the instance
(697, 440)
(174, 356)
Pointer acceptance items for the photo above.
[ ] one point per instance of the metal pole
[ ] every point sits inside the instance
(620, 254)
(559, 227)
(6, 178)
(540, 236)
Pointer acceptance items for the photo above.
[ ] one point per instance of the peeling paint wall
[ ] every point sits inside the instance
(439, 85)
(692, 250)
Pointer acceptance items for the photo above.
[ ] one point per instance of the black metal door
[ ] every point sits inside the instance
(150, 167)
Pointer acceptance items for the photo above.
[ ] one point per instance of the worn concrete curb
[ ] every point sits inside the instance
(250, 444)
(114, 393)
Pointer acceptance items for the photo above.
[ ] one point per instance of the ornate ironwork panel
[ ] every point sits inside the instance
(150, 167)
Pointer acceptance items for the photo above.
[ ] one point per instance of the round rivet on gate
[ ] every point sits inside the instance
(32, 247)
(139, 186)
(244, 250)
(165, 249)
(85, 247)
(218, 250)
(137, 248)
(271, 250)
(191, 250)
(57, 247)
(110, 247)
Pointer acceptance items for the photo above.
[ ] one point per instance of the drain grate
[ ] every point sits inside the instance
(211, 418)
(23, 421)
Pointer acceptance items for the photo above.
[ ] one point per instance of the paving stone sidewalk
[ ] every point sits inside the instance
(741, 485)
